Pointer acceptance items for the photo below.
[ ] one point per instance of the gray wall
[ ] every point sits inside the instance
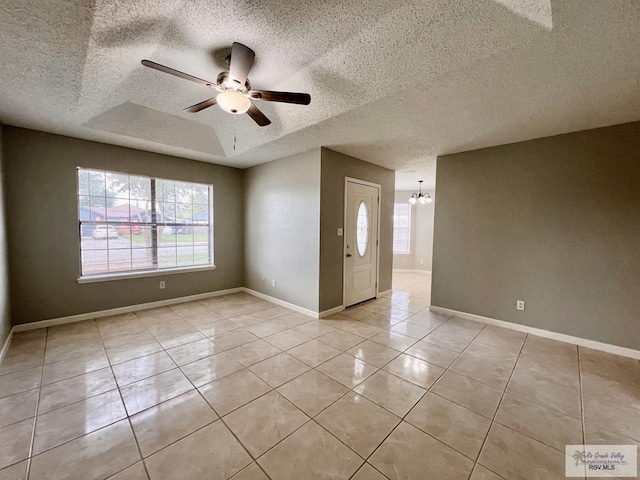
(282, 228)
(42, 222)
(5, 318)
(335, 167)
(420, 257)
(554, 222)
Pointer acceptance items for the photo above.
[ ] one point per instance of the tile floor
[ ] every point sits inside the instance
(235, 387)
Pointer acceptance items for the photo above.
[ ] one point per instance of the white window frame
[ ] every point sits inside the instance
(146, 272)
(408, 229)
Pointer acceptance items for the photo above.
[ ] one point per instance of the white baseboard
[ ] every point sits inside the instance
(5, 347)
(386, 292)
(116, 311)
(411, 270)
(282, 303)
(583, 342)
(331, 311)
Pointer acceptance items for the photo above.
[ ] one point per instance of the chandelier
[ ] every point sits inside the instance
(420, 197)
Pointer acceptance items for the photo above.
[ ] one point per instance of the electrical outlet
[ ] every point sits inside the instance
(273, 283)
(263, 279)
(520, 305)
(340, 232)
(161, 285)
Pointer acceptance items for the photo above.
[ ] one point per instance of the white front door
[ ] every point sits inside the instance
(361, 242)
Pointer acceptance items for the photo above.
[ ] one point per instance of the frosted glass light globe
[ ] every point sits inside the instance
(232, 101)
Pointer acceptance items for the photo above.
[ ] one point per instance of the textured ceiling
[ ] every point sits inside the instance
(394, 83)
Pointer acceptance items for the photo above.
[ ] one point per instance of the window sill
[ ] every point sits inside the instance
(402, 254)
(154, 273)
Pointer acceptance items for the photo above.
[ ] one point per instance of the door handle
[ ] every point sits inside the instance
(349, 255)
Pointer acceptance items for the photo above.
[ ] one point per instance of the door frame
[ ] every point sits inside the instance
(344, 236)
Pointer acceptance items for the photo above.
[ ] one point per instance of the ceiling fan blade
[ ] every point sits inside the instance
(285, 97)
(258, 116)
(177, 73)
(240, 63)
(201, 106)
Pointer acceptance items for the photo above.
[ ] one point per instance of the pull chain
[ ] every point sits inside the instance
(234, 133)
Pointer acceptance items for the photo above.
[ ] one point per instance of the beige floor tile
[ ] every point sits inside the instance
(153, 316)
(144, 367)
(599, 388)
(313, 329)
(565, 370)
(516, 457)
(279, 369)
(414, 370)
(188, 309)
(318, 456)
(59, 426)
(264, 422)
(165, 328)
(68, 349)
(233, 391)
(490, 367)
(211, 368)
(458, 427)
(210, 453)
(18, 382)
(91, 457)
(153, 390)
(390, 392)
(252, 472)
(181, 337)
(192, 352)
(21, 361)
(314, 353)
(127, 352)
(409, 453)
(613, 416)
(287, 339)
(540, 423)
(427, 319)
(266, 328)
(361, 329)
(347, 370)
(462, 327)
(15, 441)
(359, 423)
(367, 472)
(543, 347)
(17, 471)
(233, 339)
(312, 392)
(134, 472)
(394, 340)
(75, 389)
(443, 357)
(469, 393)
(481, 473)
(159, 426)
(75, 329)
(606, 365)
(55, 372)
(448, 340)
(410, 330)
(253, 352)
(18, 407)
(229, 310)
(340, 340)
(373, 353)
(26, 344)
(128, 337)
(545, 391)
(504, 339)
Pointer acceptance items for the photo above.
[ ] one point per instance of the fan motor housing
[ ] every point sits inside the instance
(224, 79)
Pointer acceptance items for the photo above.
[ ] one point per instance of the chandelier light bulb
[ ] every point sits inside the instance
(413, 200)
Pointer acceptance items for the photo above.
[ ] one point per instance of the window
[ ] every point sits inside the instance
(134, 224)
(402, 228)
(362, 226)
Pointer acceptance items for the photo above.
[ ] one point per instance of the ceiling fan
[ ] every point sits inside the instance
(234, 90)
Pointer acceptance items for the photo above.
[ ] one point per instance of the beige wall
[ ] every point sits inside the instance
(554, 222)
(5, 318)
(41, 209)
(282, 228)
(335, 168)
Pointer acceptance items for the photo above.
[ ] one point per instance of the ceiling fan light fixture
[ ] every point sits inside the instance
(232, 101)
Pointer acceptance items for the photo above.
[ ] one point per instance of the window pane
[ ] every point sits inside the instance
(362, 226)
(115, 213)
(402, 228)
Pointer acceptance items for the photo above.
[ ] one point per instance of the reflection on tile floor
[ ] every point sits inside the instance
(235, 387)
